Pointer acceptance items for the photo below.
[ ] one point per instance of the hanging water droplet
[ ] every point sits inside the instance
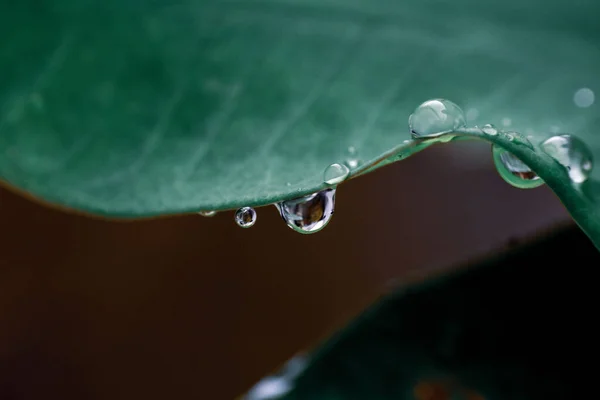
(335, 174)
(572, 153)
(245, 217)
(208, 213)
(513, 170)
(435, 118)
(584, 97)
(308, 214)
(489, 129)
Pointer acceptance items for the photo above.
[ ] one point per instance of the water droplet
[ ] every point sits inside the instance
(572, 153)
(513, 170)
(352, 150)
(518, 138)
(584, 97)
(308, 214)
(245, 217)
(208, 213)
(352, 163)
(506, 121)
(489, 129)
(335, 174)
(435, 118)
(288, 184)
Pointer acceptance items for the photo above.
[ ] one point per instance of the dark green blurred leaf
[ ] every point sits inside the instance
(518, 327)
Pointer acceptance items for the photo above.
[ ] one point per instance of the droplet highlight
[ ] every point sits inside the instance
(513, 170)
(572, 153)
(208, 213)
(335, 174)
(245, 217)
(278, 385)
(434, 118)
(308, 214)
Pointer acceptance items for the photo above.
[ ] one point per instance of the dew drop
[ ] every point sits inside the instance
(352, 163)
(435, 118)
(572, 153)
(245, 217)
(335, 174)
(489, 129)
(513, 170)
(208, 213)
(308, 214)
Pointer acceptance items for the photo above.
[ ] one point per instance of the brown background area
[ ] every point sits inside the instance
(196, 308)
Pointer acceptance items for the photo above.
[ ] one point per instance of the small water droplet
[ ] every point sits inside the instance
(518, 138)
(245, 217)
(489, 129)
(352, 163)
(288, 184)
(434, 118)
(513, 170)
(352, 150)
(208, 213)
(335, 174)
(308, 214)
(506, 121)
(572, 153)
(584, 97)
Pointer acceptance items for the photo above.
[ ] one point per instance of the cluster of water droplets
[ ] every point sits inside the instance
(439, 118)
(436, 119)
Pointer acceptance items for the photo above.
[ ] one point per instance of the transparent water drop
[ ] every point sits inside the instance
(435, 118)
(489, 129)
(335, 174)
(513, 170)
(352, 163)
(518, 138)
(288, 184)
(506, 121)
(352, 150)
(208, 213)
(308, 214)
(245, 217)
(572, 153)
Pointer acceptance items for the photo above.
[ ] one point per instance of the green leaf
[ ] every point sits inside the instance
(516, 327)
(131, 109)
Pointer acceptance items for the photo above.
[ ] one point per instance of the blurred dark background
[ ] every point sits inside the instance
(189, 307)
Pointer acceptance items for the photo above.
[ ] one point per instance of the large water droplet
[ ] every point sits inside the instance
(335, 174)
(435, 118)
(308, 214)
(572, 153)
(513, 170)
(245, 217)
(208, 213)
